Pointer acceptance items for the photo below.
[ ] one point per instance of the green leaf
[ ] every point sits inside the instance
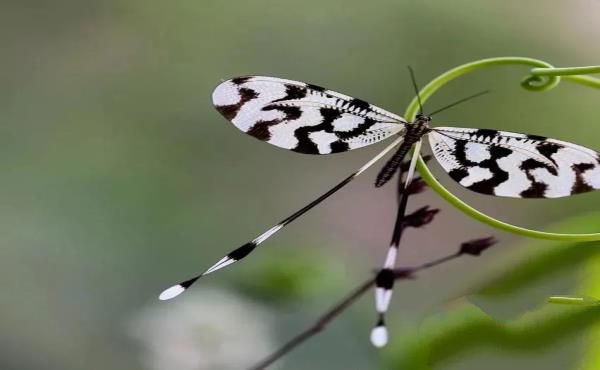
(534, 261)
(290, 275)
(465, 327)
(590, 286)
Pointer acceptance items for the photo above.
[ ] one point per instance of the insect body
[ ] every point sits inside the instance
(309, 119)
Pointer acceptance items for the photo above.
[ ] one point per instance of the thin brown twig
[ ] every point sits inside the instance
(341, 306)
(318, 325)
(473, 247)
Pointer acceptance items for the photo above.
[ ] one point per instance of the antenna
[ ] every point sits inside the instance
(460, 101)
(414, 82)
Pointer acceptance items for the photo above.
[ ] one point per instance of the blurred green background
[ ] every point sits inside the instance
(119, 179)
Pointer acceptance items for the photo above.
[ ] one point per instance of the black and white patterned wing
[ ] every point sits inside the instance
(302, 117)
(515, 165)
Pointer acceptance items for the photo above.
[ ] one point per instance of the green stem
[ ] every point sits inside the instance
(565, 71)
(543, 77)
(579, 301)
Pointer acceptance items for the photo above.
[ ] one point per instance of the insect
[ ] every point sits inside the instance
(309, 119)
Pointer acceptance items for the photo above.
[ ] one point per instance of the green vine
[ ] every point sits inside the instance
(542, 77)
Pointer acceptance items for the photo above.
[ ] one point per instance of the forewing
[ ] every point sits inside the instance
(302, 117)
(515, 165)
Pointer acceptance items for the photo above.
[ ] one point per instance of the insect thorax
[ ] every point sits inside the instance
(418, 128)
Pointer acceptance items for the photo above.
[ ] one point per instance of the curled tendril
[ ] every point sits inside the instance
(542, 77)
(539, 83)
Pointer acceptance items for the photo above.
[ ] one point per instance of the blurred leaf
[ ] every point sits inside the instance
(590, 286)
(537, 265)
(466, 327)
(538, 260)
(294, 275)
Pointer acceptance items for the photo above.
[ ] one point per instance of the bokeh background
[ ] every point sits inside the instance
(118, 178)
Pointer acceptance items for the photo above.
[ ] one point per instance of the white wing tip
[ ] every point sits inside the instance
(171, 292)
(379, 336)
